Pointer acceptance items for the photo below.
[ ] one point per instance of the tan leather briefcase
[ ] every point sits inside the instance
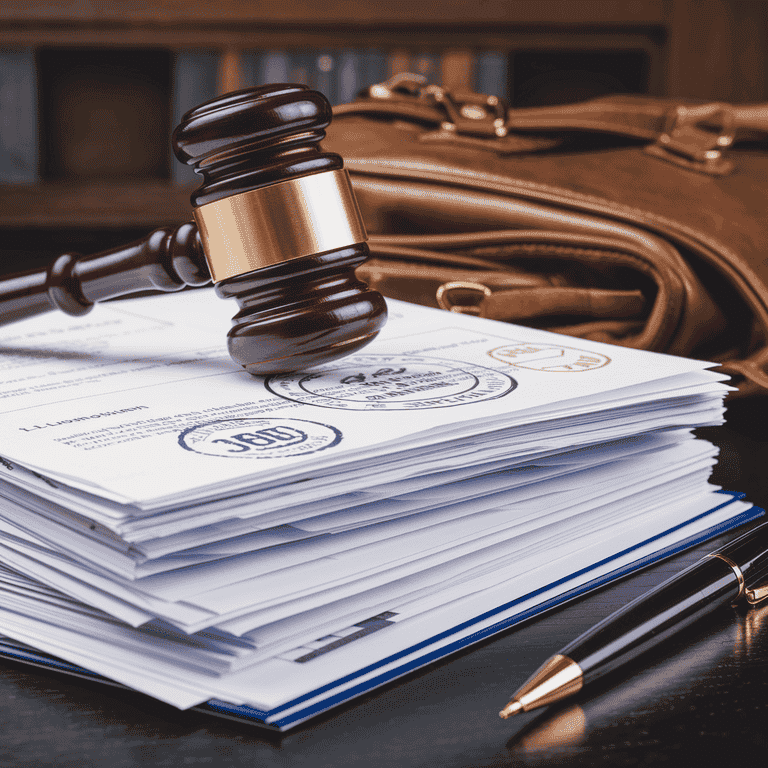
(630, 220)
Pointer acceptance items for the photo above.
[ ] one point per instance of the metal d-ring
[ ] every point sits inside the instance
(444, 301)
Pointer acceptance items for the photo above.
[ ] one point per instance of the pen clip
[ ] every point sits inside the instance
(757, 591)
(757, 594)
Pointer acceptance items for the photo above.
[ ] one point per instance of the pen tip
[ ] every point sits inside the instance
(511, 709)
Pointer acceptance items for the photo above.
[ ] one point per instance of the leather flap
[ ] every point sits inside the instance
(698, 240)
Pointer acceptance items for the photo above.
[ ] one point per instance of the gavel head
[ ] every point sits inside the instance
(280, 228)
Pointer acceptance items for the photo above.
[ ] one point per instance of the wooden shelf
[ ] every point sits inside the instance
(708, 49)
(356, 13)
(259, 37)
(94, 205)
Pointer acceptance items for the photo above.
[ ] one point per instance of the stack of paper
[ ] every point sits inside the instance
(276, 546)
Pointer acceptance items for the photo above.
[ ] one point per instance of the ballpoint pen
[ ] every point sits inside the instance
(738, 569)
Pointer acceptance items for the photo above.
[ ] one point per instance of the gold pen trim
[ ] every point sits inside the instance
(557, 678)
(280, 222)
(737, 571)
(753, 595)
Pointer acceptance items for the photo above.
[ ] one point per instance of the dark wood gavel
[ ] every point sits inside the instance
(277, 229)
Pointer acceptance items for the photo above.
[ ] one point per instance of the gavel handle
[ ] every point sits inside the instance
(166, 260)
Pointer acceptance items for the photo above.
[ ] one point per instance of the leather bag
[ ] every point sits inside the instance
(630, 220)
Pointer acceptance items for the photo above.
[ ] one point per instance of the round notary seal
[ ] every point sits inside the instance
(393, 382)
(254, 438)
(549, 358)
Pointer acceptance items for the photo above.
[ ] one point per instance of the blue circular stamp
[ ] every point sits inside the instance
(259, 438)
(393, 382)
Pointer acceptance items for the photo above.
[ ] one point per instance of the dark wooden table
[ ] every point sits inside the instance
(699, 700)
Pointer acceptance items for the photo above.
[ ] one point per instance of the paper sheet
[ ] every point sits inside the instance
(252, 539)
(96, 403)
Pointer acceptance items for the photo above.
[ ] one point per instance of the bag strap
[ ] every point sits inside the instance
(641, 117)
(692, 135)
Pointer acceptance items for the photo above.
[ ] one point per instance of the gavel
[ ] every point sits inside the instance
(276, 228)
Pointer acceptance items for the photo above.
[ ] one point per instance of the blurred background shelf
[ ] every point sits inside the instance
(90, 91)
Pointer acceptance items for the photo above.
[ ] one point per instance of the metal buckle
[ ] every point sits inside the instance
(401, 84)
(444, 300)
(688, 140)
(471, 114)
(466, 114)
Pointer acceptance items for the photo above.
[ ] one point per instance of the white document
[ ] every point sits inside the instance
(140, 408)
(253, 539)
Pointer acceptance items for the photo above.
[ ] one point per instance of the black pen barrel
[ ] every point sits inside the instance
(748, 552)
(650, 619)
